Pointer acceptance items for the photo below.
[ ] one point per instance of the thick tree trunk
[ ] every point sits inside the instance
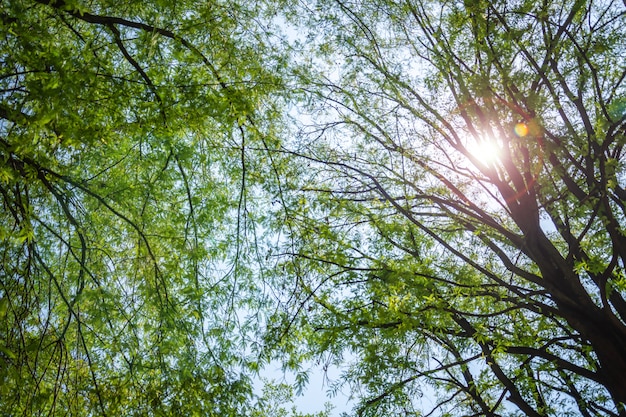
(608, 342)
(612, 359)
(595, 324)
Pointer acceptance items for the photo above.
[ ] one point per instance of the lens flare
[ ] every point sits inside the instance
(521, 129)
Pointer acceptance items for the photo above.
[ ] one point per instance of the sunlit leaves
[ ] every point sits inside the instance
(123, 285)
(427, 260)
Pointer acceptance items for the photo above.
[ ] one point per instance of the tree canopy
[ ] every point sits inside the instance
(459, 228)
(123, 179)
(428, 195)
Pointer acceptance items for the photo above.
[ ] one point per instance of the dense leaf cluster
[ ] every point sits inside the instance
(461, 234)
(429, 196)
(123, 133)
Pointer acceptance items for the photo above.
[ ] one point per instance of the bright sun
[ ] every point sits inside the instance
(486, 150)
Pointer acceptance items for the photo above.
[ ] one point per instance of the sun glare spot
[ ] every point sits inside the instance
(486, 151)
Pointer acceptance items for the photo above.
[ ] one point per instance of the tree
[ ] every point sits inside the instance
(124, 160)
(494, 278)
(152, 193)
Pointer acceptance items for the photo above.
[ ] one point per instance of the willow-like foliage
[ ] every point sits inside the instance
(126, 131)
(457, 234)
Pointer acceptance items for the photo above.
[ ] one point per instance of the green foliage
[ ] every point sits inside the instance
(194, 190)
(424, 266)
(124, 134)
(273, 400)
